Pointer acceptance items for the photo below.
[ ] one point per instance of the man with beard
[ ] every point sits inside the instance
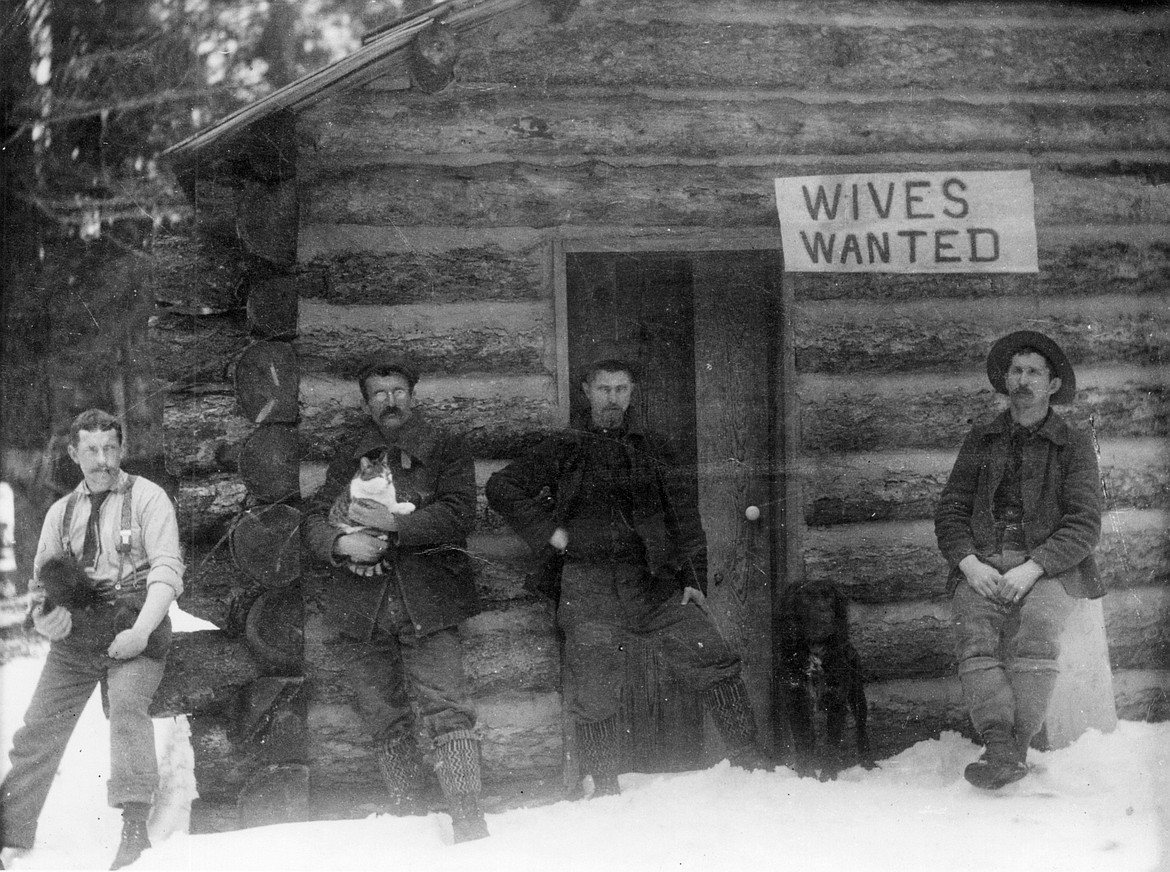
(592, 502)
(400, 619)
(1017, 522)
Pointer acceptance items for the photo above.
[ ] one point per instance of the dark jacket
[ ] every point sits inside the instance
(433, 569)
(1061, 490)
(536, 494)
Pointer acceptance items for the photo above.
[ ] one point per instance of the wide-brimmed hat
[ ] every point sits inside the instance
(1000, 358)
(384, 363)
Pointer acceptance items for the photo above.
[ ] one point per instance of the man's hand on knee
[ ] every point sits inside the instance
(55, 625)
(1017, 581)
(693, 594)
(984, 579)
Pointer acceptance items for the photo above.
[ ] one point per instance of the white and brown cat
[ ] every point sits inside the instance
(374, 481)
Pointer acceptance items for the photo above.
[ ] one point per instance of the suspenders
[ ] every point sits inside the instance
(123, 546)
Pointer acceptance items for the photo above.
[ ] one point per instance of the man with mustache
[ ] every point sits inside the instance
(400, 625)
(120, 532)
(593, 502)
(1018, 521)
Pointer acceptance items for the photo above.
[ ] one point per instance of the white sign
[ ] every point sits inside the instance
(928, 222)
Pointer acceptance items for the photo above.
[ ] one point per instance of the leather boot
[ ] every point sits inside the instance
(600, 752)
(1032, 686)
(403, 774)
(134, 842)
(1000, 763)
(457, 765)
(730, 708)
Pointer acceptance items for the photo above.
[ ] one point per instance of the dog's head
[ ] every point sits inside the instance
(816, 613)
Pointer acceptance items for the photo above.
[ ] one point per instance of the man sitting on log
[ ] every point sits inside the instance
(405, 666)
(596, 499)
(1017, 522)
(109, 559)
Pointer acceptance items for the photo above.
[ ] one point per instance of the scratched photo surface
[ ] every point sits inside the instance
(802, 224)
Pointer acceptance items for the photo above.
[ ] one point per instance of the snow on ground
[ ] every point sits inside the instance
(1101, 805)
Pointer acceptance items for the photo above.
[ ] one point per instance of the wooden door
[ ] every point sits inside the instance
(737, 341)
(703, 328)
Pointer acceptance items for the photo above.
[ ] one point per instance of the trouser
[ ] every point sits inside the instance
(1007, 655)
(406, 683)
(601, 605)
(73, 669)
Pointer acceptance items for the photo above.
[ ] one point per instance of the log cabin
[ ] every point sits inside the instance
(543, 178)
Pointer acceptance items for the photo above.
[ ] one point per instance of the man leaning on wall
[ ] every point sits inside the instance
(1018, 521)
(401, 586)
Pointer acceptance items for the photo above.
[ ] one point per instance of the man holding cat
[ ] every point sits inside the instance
(402, 584)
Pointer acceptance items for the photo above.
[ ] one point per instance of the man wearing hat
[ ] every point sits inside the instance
(1017, 522)
(402, 583)
(614, 518)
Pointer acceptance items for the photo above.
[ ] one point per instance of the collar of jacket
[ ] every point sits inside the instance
(120, 486)
(1054, 428)
(416, 437)
(631, 426)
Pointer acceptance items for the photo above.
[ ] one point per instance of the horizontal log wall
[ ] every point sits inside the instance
(668, 118)
(427, 223)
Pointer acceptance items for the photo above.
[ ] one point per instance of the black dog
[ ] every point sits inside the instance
(66, 584)
(821, 669)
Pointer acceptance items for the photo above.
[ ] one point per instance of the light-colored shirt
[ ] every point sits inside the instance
(154, 534)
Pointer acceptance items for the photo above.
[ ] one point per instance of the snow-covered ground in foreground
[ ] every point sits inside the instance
(1101, 805)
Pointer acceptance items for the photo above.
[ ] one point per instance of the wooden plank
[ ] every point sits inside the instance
(447, 338)
(367, 129)
(841, 336)
(892, 561)
(736, 341)
(486, 273)
(848, 413)
(671, 190)
(905, 485)
(924, 49)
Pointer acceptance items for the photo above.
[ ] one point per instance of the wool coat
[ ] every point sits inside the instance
(433, 469)
(538, 493)
(1062, 495)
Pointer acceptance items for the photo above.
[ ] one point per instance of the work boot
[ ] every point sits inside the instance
(730, 708)
(134, 842)
(457, 765)
(1000, 763)
(600, 752)
(403, 774)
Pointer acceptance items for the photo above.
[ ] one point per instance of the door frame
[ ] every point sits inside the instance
(785, 536)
